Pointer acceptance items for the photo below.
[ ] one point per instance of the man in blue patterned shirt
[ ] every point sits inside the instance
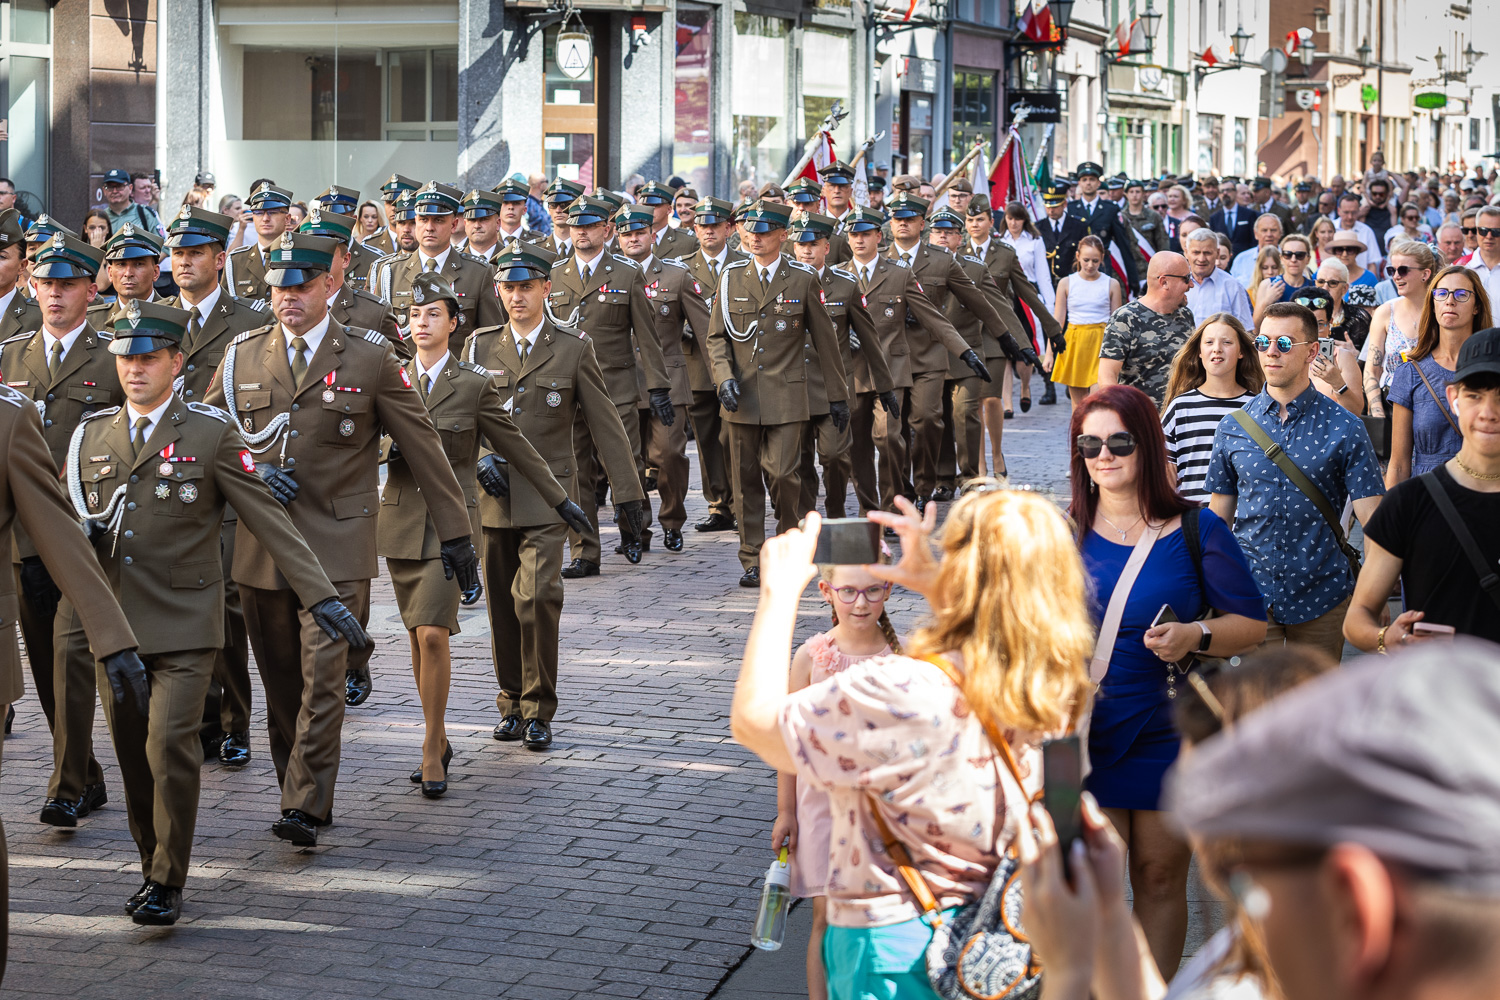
(1293, 552)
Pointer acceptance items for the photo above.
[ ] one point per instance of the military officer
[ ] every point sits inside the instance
(196, 239)
(549, 377)
(675, 297)
(151, 480)
(1060, 232)
(604, 295)
(18, 312)
(512, 195)
(1101, 217)
(669, 242)
(385, 242)
(65, 369)
(712, 226)
(1146, 224)
(245, 269)
(1304, 209)
(132, 257)
(312, 399)
(767, 308)
(838, 191)
(1004, 266)
(342, 201)
(467, 411)
(481, 225)
(560, 195)
(351, 306)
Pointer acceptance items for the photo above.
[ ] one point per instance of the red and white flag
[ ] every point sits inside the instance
(1130, 35)
(1010, 181)
(1036, 23)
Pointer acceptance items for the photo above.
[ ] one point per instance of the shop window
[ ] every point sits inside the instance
(350, 94)
(825, 79)
(692, 75)
(1241, 147)
(1210, 143)
(973, 109)
(758, 99)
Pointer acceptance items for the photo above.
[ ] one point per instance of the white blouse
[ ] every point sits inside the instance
(1032, 253)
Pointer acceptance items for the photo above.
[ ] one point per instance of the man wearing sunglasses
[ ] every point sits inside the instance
(1486, 259)
(1144, 336)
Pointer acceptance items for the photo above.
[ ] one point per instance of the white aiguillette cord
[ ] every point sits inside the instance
(257, 441)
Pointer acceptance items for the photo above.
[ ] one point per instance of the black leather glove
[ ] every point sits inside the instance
(661, 405)
(839, 413)
(972, 360)
(339, 622)
(631, 516)
(283, 486)
(573, 516)
(493, 477)
(95, 529)
(853, 341)
(126, 671)
(891, 403)
(36, 583)
(393, 452)
(460, 560)
(729, 394)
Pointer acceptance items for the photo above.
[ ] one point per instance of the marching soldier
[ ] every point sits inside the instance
(1144, 222)
(560, 195)
(342, 201)
(66, 371)
(245, 270)
(512, 195)
(669, 242)
(311, 400)
(352, 306)
(481, 225)
(1016, 289)
(1101, 217)
(551, 380)
(766, 309)
(1304, 209)
(712, 227)
(18, 312)
(604, 295)
(838, 192)
(1060, 232)
(151, 480)
(132, 257)
(384, 242)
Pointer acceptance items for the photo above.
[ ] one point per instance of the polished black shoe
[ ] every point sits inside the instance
(751, 578)
(434, 789)
(10, 717)
(1009, 415)
(644, 545)
(631, 550)
(357, 686)
(580, 567)
(416, 775)
(1025, 404)
(716, 522)
(298, 827)
(161, 907)
(510, 729)
(235, 750)
(134, 902)
(1049, 396)
(671, 538)
(94, 797)
(211, 739)
(538, 735)
(60, 812)
(651, 484)
(943, 494)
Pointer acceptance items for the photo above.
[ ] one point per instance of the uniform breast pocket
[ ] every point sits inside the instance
(551, 395)
(348, 421)
(179, 494)
(457, 434)
(99, 484)
(90, 397)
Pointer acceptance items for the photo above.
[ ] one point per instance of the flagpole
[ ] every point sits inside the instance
(958, 167)
(836, 114)
(1041, 150)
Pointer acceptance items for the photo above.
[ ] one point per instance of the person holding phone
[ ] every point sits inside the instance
(1395, 325)
(1295, 253)
(1335, 368)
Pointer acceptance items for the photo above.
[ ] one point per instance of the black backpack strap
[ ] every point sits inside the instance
(1489, 579)
(1191, 534)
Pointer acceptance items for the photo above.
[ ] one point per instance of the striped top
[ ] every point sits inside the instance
(1189, 422)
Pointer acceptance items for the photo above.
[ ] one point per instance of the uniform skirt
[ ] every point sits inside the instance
(423, 596)
(1078, 366)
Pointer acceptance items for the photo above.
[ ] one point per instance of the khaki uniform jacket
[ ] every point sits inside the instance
(695, 348)
(23, 315)
(561, 377)
(867, 368)
(332, 445)
(557, 247)
(966, 321)
(1005, 267)
(165, 564)
(465, 406)
(245, 273)
(938, 276)
(382, 244)
(673, 243)
(787, 331)
(102, 314)
(891, 291)
(31, 498)
(472, 279)
(361, 259)
(358, 308)
(676, 298)
(612, 309)
(230, 318)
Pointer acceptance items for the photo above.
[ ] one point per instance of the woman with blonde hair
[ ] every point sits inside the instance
(1395, 324)
(1179, 207)
(1322, 234)
(1215, 373)
(1267, 269)
(1296, 251)
(1005, 651)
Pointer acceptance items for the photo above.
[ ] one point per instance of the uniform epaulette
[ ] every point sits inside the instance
(360, 293)
(209, 411)
(374, 337)
(745, 262)
(19, 336)
(11, 396)
(673, 262)
(843, 273)
(474, 257)
(804, 267)
(101, 413)
(477, 369)
(972, 259)
(561, 261)
(241, 338)
(626, 260)
(934, 246)
(255, 305)
(241, 250)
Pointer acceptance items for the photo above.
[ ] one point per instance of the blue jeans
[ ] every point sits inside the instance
(879, 963)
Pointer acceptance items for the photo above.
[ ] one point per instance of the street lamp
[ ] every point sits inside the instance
(1306, 50)
(1364, 53)
(1441, 59)
(1151, 20)
(1239, 42)
(1062, 13)
(1470, 56)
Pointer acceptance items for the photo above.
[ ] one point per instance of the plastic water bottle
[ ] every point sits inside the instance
(775, 897)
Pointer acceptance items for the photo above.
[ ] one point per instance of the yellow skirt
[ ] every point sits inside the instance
(1078, 366)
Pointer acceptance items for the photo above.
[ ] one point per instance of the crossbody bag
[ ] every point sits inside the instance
(1489, 579)
(1442, 407)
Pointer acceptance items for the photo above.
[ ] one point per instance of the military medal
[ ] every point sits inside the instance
(666, 310)
(346, 427)
(327, 395)
(163, 490)
(780, 325)
(187, 492)
(889, 312)
(601, 296)
(93, 499)
(554, 398)
(165, 469)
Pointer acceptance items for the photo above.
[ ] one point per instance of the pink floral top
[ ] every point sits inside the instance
(898, 728)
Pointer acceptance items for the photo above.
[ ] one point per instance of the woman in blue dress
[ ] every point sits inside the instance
(1122, 494)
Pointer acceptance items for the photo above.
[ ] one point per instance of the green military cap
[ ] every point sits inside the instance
(979, 205)
(1114, 184)
(809, 227)
(392, 188)
(876, 183)
(511, 189)
(907, 206)
(518, 261)
(589, 211)
(611, 198)
(11, 233)
(270, 198)
(44, 228)
(481, 204)
(764, 216)
(144, 327)
(438, 199)
(710, 211)
(297, 258)
(133, 242)
(406, 206)
(945, 218)
(1088, 168)
(430, 286)
(805, 192)
(862, 220)
(339, 200)
(321, 222)
(632, 217)
(66, 256)
(837, 172)
(563, 191)
(194, 226)
(654, 193)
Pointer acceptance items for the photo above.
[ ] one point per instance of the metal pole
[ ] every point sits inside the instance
(1379, 81)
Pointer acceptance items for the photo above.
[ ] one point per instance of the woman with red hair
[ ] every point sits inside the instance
(1130, 521)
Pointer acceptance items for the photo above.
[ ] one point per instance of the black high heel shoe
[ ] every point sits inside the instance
(416, 775)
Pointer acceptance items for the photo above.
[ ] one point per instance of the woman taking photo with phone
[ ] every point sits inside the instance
(1085, 301)
(1152, 589)
(1395, 325)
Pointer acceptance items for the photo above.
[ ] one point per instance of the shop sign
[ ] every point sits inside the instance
(1042, 107)
(574, 54)
(1430, 102)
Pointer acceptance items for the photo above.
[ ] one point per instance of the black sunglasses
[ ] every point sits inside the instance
(1487, 230)
(1344, 250)
(1119, 444)
(1402, 271)
(1294, 254)
(1467, 230)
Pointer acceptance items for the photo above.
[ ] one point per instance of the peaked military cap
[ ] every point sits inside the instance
(297, 258)
(805, 191)
(405, 205)
(764, 216)
(518, 261)
(809, 227)
(270, 198)
(611, 198)
(654, 193)
(863, 220)
(481, 204)
(194, 226)
(392, 188)
(11, 233)
(144, 327)
(563, 191)
(632, 217)
(66, 256)
(907, 206)
(133, 242)
(1088, 168)
(945, 218)
(44, 228)
(711, 211)
(334, 226)
(429, 287)
(339, 200)
(511, 189)
(589, 211)
(837, 172)
(438, 199)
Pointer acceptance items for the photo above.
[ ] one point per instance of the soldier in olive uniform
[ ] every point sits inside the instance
(1145, 224)
(384, 242)
(766, 310)
(838, 192)
(312, 400)
(245, 270)
(560, 195)
(352, 306)
(481, 225)
(342, 201)
(669, 242)
(65, 369)
(467, 410)
(19, 313)
(151, 480)
(549, 377)
(604, 295)
(713, 229)
(132, 258)
(512, 195)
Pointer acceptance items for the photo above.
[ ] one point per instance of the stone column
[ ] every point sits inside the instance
(643, 105)
(184, 34)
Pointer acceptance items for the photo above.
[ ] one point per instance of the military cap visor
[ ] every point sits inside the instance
(809, 227)
(132, 243)
(297, 259)
(654, 193)
(946, 220)
(864, 220)
(563, 191)
(805, 194)
(429, 287)
(711, 211)
(268, 198)
(764, 216)
(67, 256)
(44, 228)
(391, 189)
(339, 199)
(512, 190)
(588, 212)
(907, 206)
(481, 204)
(518, 262)
(436, 200)
(195, 226)
(144, 327)
(631, 219)
(1090, 169)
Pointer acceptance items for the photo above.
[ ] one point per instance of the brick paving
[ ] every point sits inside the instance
(623, 863)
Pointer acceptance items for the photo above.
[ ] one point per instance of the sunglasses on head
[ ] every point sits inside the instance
(1400, 272)
(1119, 444)
(1312, 301)
(1457, 294)
(1283, 343)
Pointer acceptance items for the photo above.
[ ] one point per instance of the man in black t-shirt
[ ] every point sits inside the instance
(1409, 536)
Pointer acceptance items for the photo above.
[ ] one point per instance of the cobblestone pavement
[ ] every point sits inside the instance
(623, 863)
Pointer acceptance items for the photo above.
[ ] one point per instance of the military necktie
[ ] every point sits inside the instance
(426, 383)
(428, 264)
(713, 269)
(299, 361)
(765, 277)
(138, 439)
(523, 348)
(54, 359)
(194, 326)
(864, 278)
(908, 257)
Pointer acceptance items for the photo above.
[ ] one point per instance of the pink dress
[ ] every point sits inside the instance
(814, 819)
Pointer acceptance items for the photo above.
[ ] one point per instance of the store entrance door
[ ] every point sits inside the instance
(572, 128)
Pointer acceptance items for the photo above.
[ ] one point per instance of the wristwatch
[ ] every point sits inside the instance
(1208, 636)
(1341, 389)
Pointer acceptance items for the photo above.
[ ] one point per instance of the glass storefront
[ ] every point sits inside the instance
(692, 74)
(825, 79)
(25, 69)
(758, 99)
(570, 116)
(973, 109)
(336, 94)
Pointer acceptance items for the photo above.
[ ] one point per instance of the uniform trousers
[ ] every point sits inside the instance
(70, 681)
(962, 451)
(924, 416)
(712, 437)
(232, 664)
(525, 563)
(4, 892)
(302, 672)
(666, 452)
(591, 472)
(161, 758)
(832, 448)
(773, 451)
(874, 432)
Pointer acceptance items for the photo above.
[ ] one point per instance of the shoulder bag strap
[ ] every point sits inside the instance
(1109, 628)
(1442, 406)
(1191, 534)
(1489, 580)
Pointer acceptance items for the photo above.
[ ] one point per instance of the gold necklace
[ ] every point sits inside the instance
(1481, 476)
(1132, 524)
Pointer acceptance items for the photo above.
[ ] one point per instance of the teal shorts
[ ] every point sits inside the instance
(879, 963)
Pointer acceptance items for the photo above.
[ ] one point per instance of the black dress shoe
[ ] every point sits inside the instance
(716, 522)
(298, 827)
(538, 735)
(624, 548)
(357, 686)
(10, 717)
(211, 740)
(1025, 404)
(580, 567)
(447, 759)
(133, 903)
(60, 812)
(161, 907)
(235, 750)
(1049, 395)
(510, 729)
(943, 494)
(94, 797)
(751, 578)
(1009, 415)
(651, 483)
(672, 539)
